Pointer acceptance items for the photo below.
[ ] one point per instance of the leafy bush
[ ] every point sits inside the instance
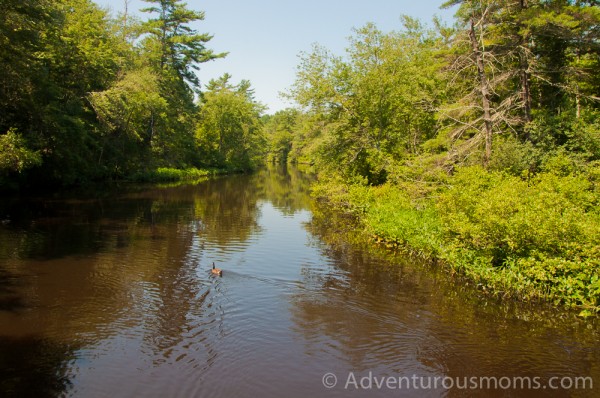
(532, 239)
(394, 219)
(544, 232)
(389, 215)
(514, 157)
(14, 154)
(584, 138)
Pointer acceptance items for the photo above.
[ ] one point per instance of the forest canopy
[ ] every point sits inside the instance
(88, 96)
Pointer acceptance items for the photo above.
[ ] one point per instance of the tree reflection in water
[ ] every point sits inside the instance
(33, 367)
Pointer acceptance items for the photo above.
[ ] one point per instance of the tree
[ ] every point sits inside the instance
(490, 49)
(229, 131)
(566, 43)
(378, 105)
(174, 51)
(88, 96)
(23, 27)
(82, 55)
(534, 62)
(123, 112)
(59, 52)
(280, 130)
(178, 48)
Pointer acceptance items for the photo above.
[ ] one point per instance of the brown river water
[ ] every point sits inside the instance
(109, 294)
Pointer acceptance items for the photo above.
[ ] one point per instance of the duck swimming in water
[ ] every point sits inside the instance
(216, 271)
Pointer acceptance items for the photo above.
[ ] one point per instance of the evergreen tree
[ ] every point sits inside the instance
(178, 48)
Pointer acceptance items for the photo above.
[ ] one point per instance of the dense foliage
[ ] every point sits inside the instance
(88, 96)
(477, 144)
(230, 131)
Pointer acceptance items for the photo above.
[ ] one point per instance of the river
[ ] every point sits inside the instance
(108, 293)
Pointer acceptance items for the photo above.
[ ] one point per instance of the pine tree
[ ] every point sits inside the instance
(180, 48)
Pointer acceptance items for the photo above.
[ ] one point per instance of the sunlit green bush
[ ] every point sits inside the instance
(396, 220)
(544, 232)
(535, 239)
(14, 154)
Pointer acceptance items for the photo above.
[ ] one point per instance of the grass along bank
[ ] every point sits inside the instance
(169, 174)
(534, 240)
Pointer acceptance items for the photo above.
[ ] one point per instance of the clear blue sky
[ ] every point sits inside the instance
(264, 37)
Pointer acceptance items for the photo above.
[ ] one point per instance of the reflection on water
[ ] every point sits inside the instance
(111, 294)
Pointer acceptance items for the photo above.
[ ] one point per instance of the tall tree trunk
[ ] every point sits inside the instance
(525, 81)
(485, 94)
(524, 70)
(151, 128)
(525, 90)
(163, 38)
(125, 14)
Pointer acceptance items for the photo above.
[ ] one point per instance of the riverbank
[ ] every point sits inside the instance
(531, 240)
(169, 174)
(156, 176)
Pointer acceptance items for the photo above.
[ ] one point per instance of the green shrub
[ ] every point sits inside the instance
(584, 137)
(545, 231)
(514, 157)
(396, 220)
(15, 156)
(533, 239)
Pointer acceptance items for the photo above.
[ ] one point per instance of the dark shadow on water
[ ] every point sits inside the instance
(10, 300)
(33, 367)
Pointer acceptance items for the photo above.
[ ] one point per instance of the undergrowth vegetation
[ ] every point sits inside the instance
(533, 239)
(167, 174)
